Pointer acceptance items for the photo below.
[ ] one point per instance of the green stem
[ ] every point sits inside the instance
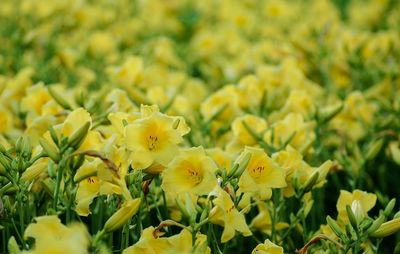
(58, 183)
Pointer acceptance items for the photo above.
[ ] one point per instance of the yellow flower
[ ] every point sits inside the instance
(359, 201)
(129, 73)
(51, 236)
(263, 220)
(261, 173)
(88, 187)
(149, 243)
(241, 135)
(192, 171)
(123, 215)
(221, 158)
(152, 139)
(225, 214)
(292, 163)
(301, 102)
(226, 98)
(292, 129)
(101, 43)
(267, 247)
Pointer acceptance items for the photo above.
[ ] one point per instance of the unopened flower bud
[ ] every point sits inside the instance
(329, 113)
(58, 98)
(123, 215)
(5, 162)
(376, 224)
(13, 247)
(49, 186)
(53, 135)
(373, 149)
(352, 217)
(335, 227)
(389, 207)
(240, 166)
(395, 151)
(34, 171)
(49, 149)
(79, 136)
(309, 184)
(387, 229)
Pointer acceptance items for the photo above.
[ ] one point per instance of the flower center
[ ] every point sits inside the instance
(230, 209)
(152, 142)
(256, 172)
(194, 176)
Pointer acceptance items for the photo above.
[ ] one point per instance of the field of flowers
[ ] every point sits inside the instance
(213, 126)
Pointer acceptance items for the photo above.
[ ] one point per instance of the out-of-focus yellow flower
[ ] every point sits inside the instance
(241, 135)
(101, 43)
(295, 167)
(88, 187)
(357, 114)
(129, 73)
(51, 236)
(263, 220)
(292, 130)
(261, 174)
(222, 158)
(359, 201)
(35, 170)
(267, 247)
(225, 214)
(180, 243)
(191, 171)
(225, 99)
(152, 139)
(148, 243)
(122, 215)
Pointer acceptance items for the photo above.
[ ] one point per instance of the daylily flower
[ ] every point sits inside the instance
(267, 247)
(261, 173)
(51, 236)
(192, 171)
(225, 214)
(152, 140)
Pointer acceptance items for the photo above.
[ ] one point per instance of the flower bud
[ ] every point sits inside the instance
(123, 215)
(389, 207)
(240, 166)
(309, 184)
(19, 144)
(27, 148)
(79, 136)
(373, 149)
(387, 229)
(5, 162)
(335, 228)
(2, 149)
(352, 217)
(53, 135)
(329, 113)
(49, 149)
(49, 186)
(376, 224)
(395, 151)
(34, 171)
(13, 247)
(58, 98)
